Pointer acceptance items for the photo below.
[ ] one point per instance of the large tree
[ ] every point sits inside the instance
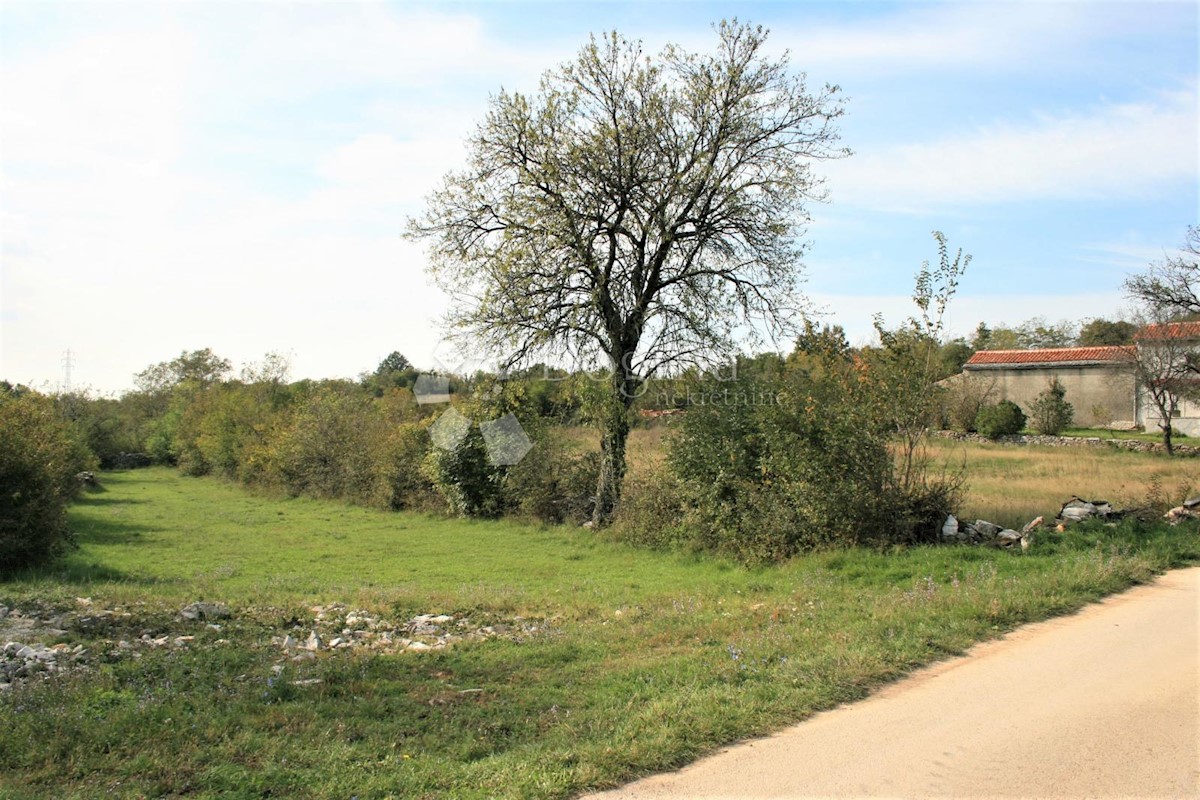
(199, 367)
(638, 211)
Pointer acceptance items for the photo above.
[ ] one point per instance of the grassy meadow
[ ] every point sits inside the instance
(634, 661)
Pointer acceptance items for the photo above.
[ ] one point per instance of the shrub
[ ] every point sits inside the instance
(39, 458)
(801, 461)
(399, 481)
(1050, 413)
(466, 480)
(552, 484)
(651, 513)
(326, 451)
(962, 401)
(1003, 419)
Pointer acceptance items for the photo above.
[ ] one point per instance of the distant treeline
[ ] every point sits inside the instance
(777, 453)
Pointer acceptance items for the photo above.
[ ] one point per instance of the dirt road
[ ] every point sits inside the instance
(1104, 703)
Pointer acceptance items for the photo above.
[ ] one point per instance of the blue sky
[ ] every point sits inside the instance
(236, 175)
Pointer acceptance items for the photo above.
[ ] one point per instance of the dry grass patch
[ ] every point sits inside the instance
(1011, 484)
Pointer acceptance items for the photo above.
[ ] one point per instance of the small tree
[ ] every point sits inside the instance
(1166, 355)
(909, 364)
(1050, 414)
(964, 396)
(1106, 333)
(1166, 365)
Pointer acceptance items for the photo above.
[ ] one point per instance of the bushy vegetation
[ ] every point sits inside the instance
(961, 402)
(766, 466)
(1050, 414)
(1001, 419)
(40, 454)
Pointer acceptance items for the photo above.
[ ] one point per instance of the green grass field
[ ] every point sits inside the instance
(634, 661)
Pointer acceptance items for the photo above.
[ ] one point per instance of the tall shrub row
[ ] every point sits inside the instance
(333, 439)
(40, 454)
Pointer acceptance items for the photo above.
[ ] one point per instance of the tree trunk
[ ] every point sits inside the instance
(614, 433)
(1166, 429)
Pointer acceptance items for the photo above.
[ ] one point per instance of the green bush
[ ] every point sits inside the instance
(551, 484)
(1002, 419)
(1050, 413)
(399, 480)
(962, 401)
(466, 480)
(651, 513)
(782, 464)
(39, 458)
(326, 450)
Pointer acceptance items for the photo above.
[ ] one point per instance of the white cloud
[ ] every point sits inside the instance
(1116, 150)
(993, 36)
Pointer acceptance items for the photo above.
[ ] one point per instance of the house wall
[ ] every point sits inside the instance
(1088, 387)
(1188, 421)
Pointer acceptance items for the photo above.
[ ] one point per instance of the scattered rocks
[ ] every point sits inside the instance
(1189, 510)
(205, 611)
(337, 628)
(87, 479)
(1136, 445)
(20, 661)
(27, 648)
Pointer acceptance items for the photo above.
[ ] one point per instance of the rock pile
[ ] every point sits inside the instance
(127, 461)
(1189, 510)
(337, 628)
(18, 660)
(1077, 510)
(983, 532)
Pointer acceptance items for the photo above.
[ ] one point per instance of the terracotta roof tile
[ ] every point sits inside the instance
(1054, 355)
(1170, 330)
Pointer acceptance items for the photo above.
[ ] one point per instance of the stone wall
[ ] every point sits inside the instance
(1073, 441)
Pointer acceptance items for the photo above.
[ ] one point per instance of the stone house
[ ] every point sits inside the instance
(1100, 382)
